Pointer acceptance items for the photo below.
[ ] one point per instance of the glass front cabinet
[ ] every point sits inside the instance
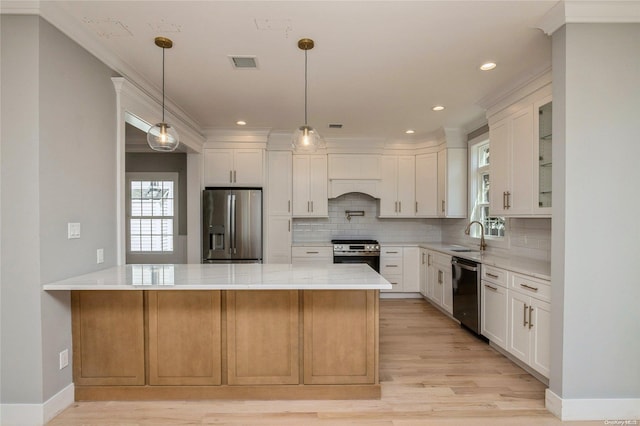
(543, 143)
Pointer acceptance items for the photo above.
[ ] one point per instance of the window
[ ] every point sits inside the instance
(494, 227)
(151, 211)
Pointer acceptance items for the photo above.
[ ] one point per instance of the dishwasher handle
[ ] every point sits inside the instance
(461, 265)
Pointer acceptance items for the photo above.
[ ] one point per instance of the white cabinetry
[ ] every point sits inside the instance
(440, 280)
(310, 186)
(494, 305)
(397, 189)
(530, 322)
(312, 255)
(426, 185)
(424, 270)
(452, 182)
(520, 143)
(401, 267)
(279, 187)
(354, 173)
(233, 167)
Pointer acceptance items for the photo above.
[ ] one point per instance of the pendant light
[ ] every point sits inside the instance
(163, 137)
(305, 138)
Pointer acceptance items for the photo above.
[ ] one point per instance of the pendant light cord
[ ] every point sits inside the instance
(305, 87)
(163, 84)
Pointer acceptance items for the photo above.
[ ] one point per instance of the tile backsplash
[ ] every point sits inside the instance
(309, 230)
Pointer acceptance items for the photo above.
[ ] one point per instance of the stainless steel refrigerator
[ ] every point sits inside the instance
(232, 226)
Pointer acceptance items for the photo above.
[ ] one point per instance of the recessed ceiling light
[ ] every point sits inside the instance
(410, 132)
(488, 66)
(438, 108)
(241, 123)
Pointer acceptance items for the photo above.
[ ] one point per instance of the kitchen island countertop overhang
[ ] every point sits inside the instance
(226, 277)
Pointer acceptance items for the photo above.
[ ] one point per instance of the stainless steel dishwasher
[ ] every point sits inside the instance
(466, 292)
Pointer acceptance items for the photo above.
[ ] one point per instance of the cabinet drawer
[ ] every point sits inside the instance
(441, 259)
(495, 275)
(391, 267)
(396, 282)
(390, 252)
(312, 252)
(534, 287)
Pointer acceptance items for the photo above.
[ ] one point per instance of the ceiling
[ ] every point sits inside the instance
(378, 67)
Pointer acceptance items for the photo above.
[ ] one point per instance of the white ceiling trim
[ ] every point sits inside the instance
(596, 12)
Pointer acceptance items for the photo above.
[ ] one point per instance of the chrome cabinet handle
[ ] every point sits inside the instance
(442, 206)
(429, 259)
(391, 252)
(530, 320)
(313, 252)
(235, 180)
(399, 206)
(308, 206)
(491, 287)
(312, 207)
(230, 176)
(416, 207)
(492, 275)
(289, 206)
(289, 225)
(391, 266)
(529, 287)
(524, 318)
(504, 200)
(423, 258)
(440, 275)
(395, 209)
(508, 203)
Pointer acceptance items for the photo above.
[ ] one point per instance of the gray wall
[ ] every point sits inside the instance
(595, 242)
(58, 166)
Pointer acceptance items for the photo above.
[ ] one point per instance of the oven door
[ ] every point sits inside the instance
(373, 261)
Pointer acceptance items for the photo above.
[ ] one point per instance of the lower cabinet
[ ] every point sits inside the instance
(424, 271)
(401, 267)
(440, 280)
(530, 331)
(494, 305)
(108, 343)
(340, 349)
(184, 337)
(262, 337)
(312, 255)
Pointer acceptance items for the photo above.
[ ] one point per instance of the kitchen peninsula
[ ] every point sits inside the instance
(234, 331)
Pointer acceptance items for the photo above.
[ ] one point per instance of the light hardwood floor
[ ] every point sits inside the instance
(432, 372)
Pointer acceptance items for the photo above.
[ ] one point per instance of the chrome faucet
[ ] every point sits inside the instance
(483, 245)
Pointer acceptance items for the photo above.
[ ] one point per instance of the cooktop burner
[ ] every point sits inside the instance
(354, 241)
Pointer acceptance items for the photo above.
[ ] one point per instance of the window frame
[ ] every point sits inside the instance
(151, 176)
(475, 172)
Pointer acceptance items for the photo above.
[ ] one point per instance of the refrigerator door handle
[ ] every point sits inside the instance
(230, 222)
(233, 222)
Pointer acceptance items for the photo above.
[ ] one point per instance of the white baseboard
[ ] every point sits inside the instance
(592, 409)
(37, 414)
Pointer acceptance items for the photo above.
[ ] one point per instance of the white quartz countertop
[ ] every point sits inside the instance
(227, 277)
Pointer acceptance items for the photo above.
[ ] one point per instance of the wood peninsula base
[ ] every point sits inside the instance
(225, 344)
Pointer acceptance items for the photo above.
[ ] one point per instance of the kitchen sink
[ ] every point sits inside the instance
(462, 250)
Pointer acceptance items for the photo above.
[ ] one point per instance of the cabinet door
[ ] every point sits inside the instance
(495, 307)
(262, 337)
(248, 167)
(542, 145)
(423, 271)
(540, 329)
(340, 349)
(438, 288)
(447, 290)
(279, 182)
(301, 176)
(519, 340)
(522, 162)
(442, 183)
(432, 277)
(278, 239)
(218, 167)
(406, 186)
(108, 337)
(499, 135)
(389, 186)
(427, 185)
(318, 186)
(184, 337)
(411, 269)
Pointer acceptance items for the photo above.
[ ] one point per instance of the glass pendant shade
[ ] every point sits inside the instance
(163, 137)
(306, 139)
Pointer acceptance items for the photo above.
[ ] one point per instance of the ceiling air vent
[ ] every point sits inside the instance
(335, 126)
(244, 62)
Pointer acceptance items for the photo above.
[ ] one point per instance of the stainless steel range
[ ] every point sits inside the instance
(357, 251)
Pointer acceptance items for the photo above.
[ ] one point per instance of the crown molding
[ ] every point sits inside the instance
(594, 12)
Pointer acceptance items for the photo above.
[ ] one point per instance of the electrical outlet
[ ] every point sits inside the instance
(64, 358)
(100, 255)
(73, 230)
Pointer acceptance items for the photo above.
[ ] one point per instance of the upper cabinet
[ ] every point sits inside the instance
(310, 186)
(233, 167)
(520, 134)
(427, 185)
(354, 173)
(452, 182)
(397, 188)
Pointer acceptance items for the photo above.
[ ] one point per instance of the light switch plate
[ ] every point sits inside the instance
(100, 256)
(73, 230)
(64, 358)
